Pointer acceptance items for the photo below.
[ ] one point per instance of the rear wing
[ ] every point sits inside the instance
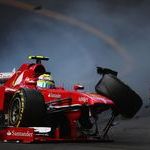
(4, 76)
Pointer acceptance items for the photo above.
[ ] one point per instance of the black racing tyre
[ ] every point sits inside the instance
(26, 108)
(2, 119)
(127, 101)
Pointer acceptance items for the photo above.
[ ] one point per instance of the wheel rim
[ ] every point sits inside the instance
(15, 111)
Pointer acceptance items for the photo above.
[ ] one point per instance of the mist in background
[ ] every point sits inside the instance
(74, 52)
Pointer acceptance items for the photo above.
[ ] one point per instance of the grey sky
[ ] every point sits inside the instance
(74, 52)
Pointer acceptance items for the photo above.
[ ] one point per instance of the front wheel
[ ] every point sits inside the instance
(26, 108)
(2, 119)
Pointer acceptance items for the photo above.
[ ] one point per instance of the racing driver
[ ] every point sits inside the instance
(45, 81)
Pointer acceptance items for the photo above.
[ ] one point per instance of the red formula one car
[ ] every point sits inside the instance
(30, 98)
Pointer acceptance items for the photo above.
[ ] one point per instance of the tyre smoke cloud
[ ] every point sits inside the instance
(74, 53)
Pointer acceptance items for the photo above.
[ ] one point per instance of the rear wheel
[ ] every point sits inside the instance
(26, 108)
(126, 100)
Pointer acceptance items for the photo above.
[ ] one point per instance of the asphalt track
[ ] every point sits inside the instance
(133, 134)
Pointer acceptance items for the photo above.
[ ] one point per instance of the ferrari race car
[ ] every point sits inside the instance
(28, 101)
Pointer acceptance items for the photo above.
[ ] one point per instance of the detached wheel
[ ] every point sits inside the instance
(26, 108)
(128, 102)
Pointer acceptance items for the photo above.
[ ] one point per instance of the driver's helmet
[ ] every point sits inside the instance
(45, 81)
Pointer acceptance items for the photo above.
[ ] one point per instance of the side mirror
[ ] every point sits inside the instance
(78, 87)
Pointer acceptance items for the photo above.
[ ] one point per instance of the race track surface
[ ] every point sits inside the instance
(128, 135)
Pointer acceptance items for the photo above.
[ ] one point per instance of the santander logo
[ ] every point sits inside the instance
(8, 133)
(18, 133)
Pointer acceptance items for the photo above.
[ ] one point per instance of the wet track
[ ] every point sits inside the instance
(79, 146)
(128, 135)
(128, 145)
